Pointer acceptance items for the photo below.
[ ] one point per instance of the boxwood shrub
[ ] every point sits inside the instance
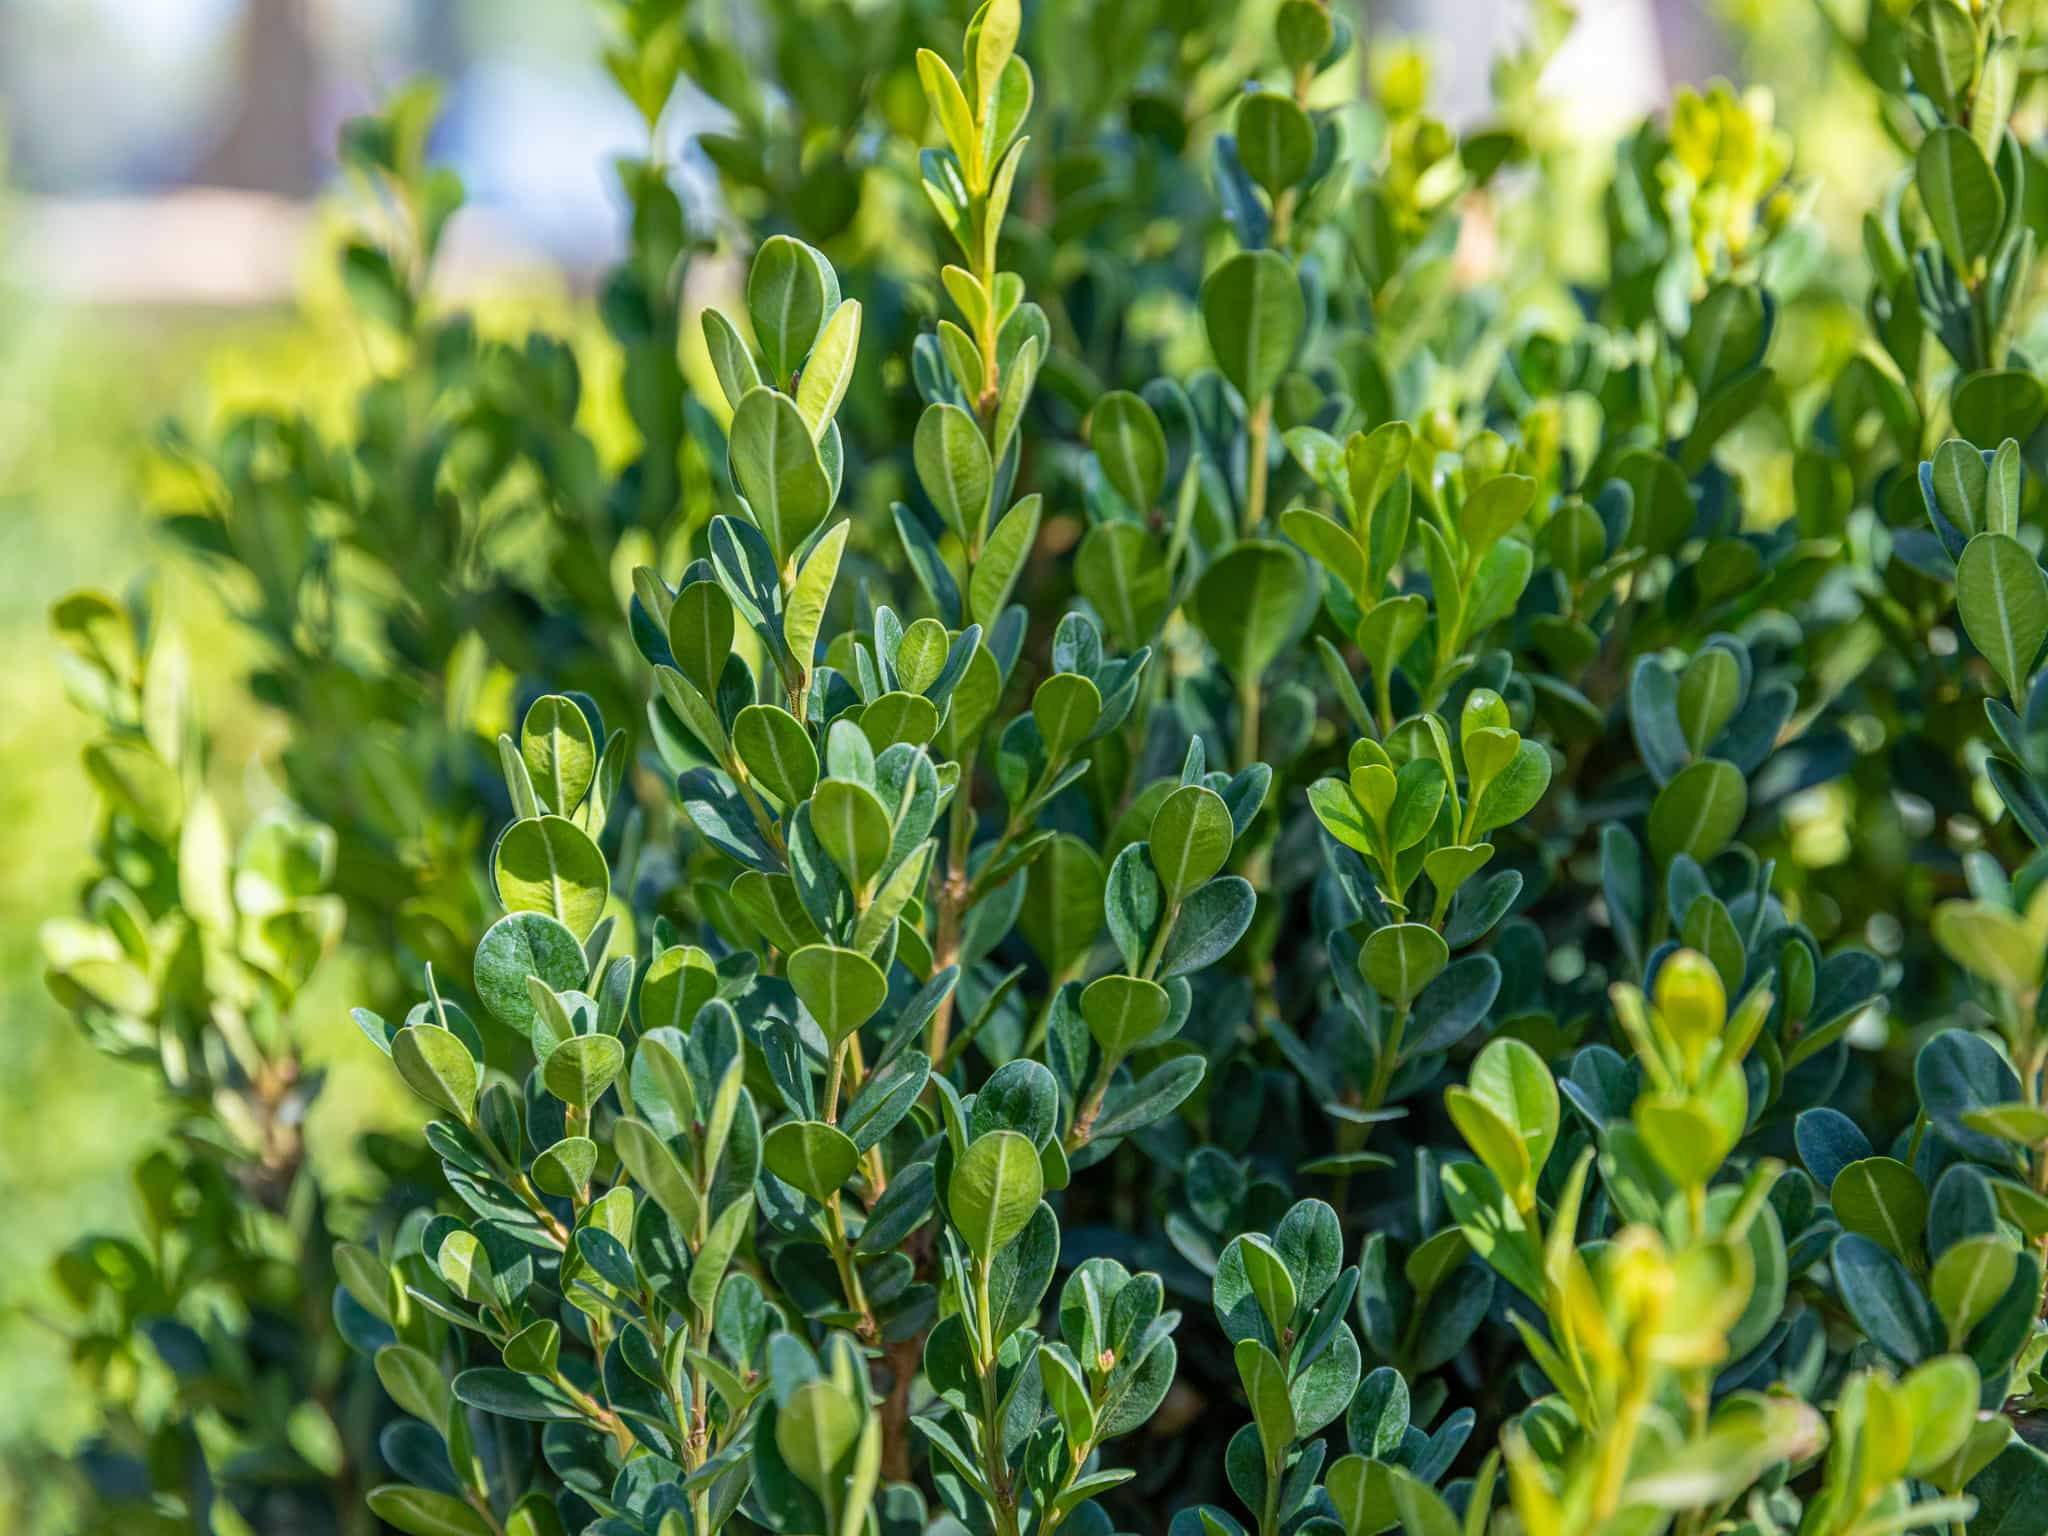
(1193, 838)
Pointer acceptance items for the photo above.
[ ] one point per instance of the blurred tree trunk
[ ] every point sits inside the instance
(267, 142)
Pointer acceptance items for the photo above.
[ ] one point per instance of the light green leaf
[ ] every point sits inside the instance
(775, 463)
(777, 752)
(551, 866)
(1255, 315)
(2003, 599)
(1403, 958)
(842, 988)
(850, 821)
(1120, 1011)
(829, 369)
(811, 1156)
(1130, 446)
(1190, 839)
(1699, 811)
(1961, 194)
(438, 1067)
(996, 1185)
(953, 466)
(1251, 603)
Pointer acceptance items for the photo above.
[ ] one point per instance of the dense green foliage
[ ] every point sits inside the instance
(1150, 875)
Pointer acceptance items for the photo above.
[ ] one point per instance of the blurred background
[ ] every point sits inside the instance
(166, 244)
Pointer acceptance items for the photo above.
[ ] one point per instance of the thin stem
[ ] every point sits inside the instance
(954, 888)
(849, 1273)
(1158, 949)
(1249, 700)
(1091, 1106)
(1257, 470)
(994, 1463)
(833, 1077)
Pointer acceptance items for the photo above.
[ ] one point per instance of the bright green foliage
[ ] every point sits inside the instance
(1050, 939)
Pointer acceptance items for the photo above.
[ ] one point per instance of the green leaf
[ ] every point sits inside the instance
(1970, 1278)
(2024, 1125)
(1265, 1383)
(1991, 943)
(512, 1396)
(1121, 1011)
(1884, 1200)
(1709, 690)
(700, 630)
(655, 1169)
(1121, 570)
(787, 298)
(707, 1270)
(1002, 560)
(842, 988)
(551, 866)
(564, 1169)
(1513, 791)
(730, 360)
(1940, 45)
(1130, 446)
(1959, 477)
(1276, 143)
(1495, 508)
(2003, 600)
(1062, 912)
(1403, 958)
(815, 1431)
(579, 1070)
(1255, 315)
(1153, 1097)
(996, 1185)
(679, 981)
(520, 945)
(1190, 839)
(948, 102)
(535, 1349)
(1362, 1491)
(1273, 1287)
(1511, 1079)
(809, 594)
(1251, 604)
(829, 368)
(1941, 1400)
(414, 1382)
(776, 466)
(1961, 194)
(1418, 795)
(810, 1155)
(1698, 812)
(1885, 1300)
(1493, 1140)
(1066, 707)
(560, 752)
(438, 1067)
(1212, 919)
(777, 752)
(854, 828)
(423, 1512)
(953, 466)
(1341, 815)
